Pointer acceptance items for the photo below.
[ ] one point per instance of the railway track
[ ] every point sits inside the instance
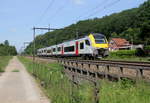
(129, 69)
(105, 68)
(137, 64)
(144, 65)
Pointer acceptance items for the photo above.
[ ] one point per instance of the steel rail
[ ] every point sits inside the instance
(115, 63)
(133, 65)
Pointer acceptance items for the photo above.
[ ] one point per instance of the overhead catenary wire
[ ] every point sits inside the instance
(105, 7)
(48, 7)
(58, 11)
(92, 9)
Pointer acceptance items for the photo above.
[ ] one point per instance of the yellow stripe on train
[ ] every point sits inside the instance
(97, 45)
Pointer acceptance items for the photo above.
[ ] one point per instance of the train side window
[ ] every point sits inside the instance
(82, 45)
(48, 51)
(69, 49)
(59, 48)
(87, 42)
(54, 49)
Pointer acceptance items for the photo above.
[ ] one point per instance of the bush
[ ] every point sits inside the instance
(140, 52)
(123, 53)
(1, 70)
(147, 50)
(126, 83)
(147, 47)
(3, 62)
(131, 53)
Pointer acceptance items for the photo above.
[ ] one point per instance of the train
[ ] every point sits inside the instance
(93, 45)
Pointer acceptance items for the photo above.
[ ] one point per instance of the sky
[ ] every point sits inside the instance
(18, 17)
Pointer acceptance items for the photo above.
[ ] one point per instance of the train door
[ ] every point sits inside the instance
(77, 47)
(81, 47)
(88, 47)
(62, 50)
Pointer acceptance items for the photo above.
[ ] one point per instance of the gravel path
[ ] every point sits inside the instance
(19, 87)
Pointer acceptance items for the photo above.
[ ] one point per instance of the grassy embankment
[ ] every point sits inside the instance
(59, 88)
(3, 62)
(128, 55)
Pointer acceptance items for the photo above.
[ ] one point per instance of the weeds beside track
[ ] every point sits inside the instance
(59, 88)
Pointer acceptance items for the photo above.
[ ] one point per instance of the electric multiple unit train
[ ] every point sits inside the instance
(94, 45)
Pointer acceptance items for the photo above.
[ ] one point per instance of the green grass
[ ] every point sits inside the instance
(15, 70)
(119, 93)
(130, 58)
(3, 62)
(59, 89)
(126, 55)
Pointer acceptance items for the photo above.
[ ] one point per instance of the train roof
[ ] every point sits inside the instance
(98, 34)
(94, 34)
(83, 37)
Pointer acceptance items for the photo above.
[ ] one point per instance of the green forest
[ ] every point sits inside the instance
(132, 24)
(6, 49)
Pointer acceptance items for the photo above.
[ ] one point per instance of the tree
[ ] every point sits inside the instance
(132, 24)
(7, 50)
(145, 32)
(6, 42)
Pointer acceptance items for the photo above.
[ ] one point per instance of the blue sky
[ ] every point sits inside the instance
(17, 17)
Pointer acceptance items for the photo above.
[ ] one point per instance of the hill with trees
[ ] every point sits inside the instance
(7, 50)
(132, 24)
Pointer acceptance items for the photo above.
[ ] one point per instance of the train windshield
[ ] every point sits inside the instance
(99, 39)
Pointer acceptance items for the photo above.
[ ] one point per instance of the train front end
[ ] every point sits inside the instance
(99, 45)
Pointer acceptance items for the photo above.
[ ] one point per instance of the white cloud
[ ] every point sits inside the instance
(78, 2)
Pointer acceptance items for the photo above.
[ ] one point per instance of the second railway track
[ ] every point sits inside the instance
(145, 65)
(106, 68)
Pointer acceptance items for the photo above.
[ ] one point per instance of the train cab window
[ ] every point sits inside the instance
(54, 49)
(48, 51)
(69, 49)
(82, 45)
(59, 49)
(100, 39)
(87, 42)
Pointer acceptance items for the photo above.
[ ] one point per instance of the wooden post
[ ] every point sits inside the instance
(82, 65)
(106, 72)
(96, 75)
(71, 63)
(97, 66)
(96, 92)
(139, 74)
(72, 90)
(120, 73)
(76, 64)
(88, 73)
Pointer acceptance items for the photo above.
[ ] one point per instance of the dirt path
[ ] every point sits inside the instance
(19, 87)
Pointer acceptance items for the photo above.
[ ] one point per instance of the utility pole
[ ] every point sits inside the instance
(40, 28)
(21, 50)
(34, 32)
(34, 43)
(24, 45)
(77, 33)
(49, 27)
